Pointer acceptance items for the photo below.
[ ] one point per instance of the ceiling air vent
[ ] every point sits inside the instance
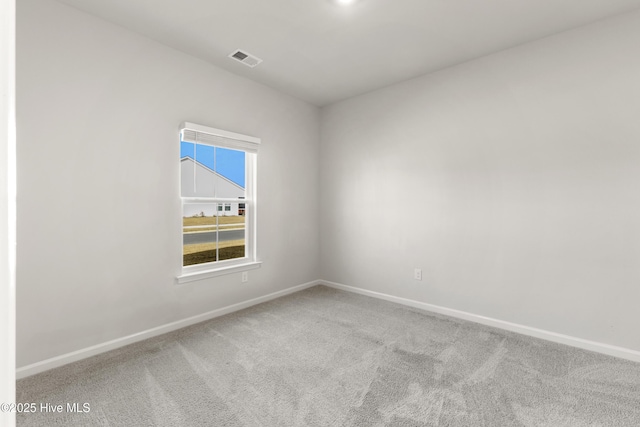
(245, 57)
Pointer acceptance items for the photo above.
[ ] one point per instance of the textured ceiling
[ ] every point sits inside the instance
(321, 52)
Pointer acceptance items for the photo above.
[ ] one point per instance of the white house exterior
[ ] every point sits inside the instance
(197, 180)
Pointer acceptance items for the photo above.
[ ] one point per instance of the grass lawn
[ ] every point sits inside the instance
(206, 252)
(211, 220)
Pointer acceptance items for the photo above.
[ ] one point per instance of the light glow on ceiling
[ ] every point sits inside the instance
(344, 2)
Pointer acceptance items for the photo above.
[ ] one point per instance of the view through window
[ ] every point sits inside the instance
(214, 207)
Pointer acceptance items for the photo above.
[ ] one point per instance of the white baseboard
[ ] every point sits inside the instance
(84, 353)
(621, 352)
(45, 365)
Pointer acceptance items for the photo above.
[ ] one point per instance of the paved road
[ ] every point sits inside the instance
(210, 236)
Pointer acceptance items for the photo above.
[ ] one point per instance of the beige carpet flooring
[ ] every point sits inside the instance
(323, 357)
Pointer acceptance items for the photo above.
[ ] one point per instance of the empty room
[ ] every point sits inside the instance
(320, 213)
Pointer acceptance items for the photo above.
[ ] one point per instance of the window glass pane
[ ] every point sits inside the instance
(199, 233)
(231, 235)
(205, 175)
(230, 167)
(187, 150)
(207, 237)
(187, 170)
(208, 171)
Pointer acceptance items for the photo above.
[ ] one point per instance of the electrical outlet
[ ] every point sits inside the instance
(417, 274)
(245, 276)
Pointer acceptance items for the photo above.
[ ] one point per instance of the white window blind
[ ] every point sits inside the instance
(199, 134)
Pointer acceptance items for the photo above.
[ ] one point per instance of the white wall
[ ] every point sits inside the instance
(98, 115)
(7, 209)
(511, 180)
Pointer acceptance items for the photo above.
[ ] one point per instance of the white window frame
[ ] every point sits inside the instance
(199, 134)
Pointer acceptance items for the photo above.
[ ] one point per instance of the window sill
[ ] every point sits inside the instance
(207, 274)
